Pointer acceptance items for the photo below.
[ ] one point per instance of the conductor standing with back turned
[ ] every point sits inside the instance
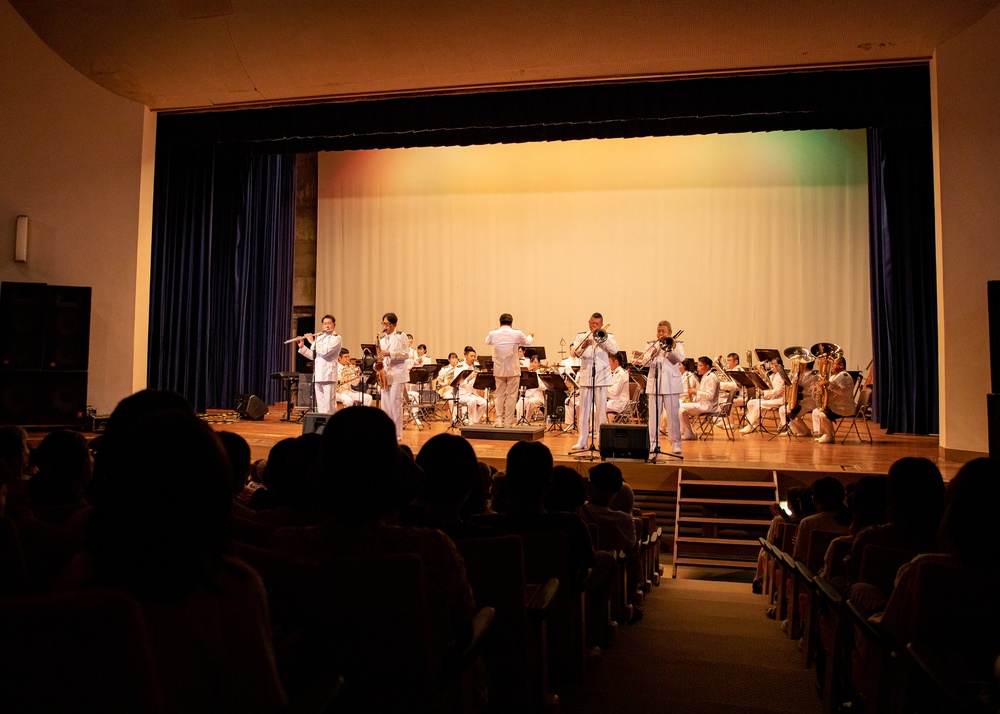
(506, 368)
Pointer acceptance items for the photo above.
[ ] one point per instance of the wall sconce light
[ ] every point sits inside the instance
(21, 240)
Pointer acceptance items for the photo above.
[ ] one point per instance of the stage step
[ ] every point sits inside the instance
(514, 433)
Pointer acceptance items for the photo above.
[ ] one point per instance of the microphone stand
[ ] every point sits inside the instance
(655, 452)
(591, 450)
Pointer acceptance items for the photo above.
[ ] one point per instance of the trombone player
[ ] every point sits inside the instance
(593, 348)
(664, 386)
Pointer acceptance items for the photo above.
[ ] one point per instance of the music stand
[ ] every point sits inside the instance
(529, 380)
(571, 376)
(555, 390)
(456, 417)
(766, 355)
(745, 381)
(486, 380)
(531, 351)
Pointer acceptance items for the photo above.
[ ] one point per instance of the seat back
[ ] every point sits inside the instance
(84, 651)
(787, 540)
(879, 565)
(816, 548)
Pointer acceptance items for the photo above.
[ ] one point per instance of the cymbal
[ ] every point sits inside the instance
(825, 348)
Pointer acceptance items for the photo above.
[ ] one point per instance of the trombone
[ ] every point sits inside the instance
(665, 344)
(600, 336)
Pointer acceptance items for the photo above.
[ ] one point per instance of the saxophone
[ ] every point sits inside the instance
(383, 378)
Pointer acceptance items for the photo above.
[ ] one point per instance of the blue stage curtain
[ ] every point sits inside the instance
(903, 279)
(221, 273)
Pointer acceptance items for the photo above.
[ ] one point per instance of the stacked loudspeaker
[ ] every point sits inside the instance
(44, 354)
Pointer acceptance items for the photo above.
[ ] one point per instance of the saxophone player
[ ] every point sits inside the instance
(839, 402)
(324, 351)
(394, 351)
(349, 392)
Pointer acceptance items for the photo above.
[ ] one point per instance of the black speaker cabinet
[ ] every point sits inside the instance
(555, 407)
(624, 441)
(993, 307)
(43, 398)
(315, 422)
(22, 323)
(67, 328)
(249, 406)
(993, 424)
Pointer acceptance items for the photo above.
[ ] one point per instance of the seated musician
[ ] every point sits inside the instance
(800, 419)
(466, 394)
(350, 388)
(618, 396)
(772, 398)
(839, 402)
(533, 399)
(445, 375)
(422, 359)
(704, 398)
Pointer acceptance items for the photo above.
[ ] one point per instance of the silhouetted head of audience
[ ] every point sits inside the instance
(362, 474)
(63, 467)
(163, 523)
(451, 472)
(567, 492)
(970, 529)
(605, 483)
(478, 499)
(500, 501)
(529, 475)
(867, 502)
(238, 451)
(916, 496)
(828, 495)
(14, 449)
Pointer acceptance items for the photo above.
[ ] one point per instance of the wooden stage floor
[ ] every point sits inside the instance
(793, 461)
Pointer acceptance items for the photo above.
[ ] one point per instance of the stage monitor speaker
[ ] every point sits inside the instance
(304, 396)
(315, 422)
(22, 320)
(67, 327)
(624, 441)
(249, 406)
(555, 407)
(43, 398)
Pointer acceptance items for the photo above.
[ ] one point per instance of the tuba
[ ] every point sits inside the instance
(826, 354)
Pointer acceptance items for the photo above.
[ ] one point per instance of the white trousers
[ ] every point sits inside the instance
(596, 397)
(476, 404)
(755, 405)
(671, 405)
(349, 399)
(504, 399)
(326, 403)
(392, 404)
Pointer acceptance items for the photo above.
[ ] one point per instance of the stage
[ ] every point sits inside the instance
(795, 461)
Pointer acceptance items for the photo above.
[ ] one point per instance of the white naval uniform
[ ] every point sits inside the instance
(468, 396)
(532, 400)
(324, 353)
(594, 379)
(773, 397)
(840, 401)
(506, 370)
(349, 394)
(396, 374)
(618, 395)
(664, 385)
(706, 401)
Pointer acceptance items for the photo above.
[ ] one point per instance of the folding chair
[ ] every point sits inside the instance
(860, 414)
(705, 423)
(631, 410)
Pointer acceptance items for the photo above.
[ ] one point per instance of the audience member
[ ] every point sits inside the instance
(831, 514)
(451, 473)
(238, 451)
(63, 467)
(362, 477)
(206, 611)
(567, 493)
(287, 476)
(867, 504)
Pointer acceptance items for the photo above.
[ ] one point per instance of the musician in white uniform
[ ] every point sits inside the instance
(422, 359)
(618, 395)
(664, 386)
(324, 351)
(801, 422)
(394, 351)
(466, 394)
(594, 377)
(773, 397)
(532, 399)
(840, 401)
(704, 398)
(506, 368)
(348, 379)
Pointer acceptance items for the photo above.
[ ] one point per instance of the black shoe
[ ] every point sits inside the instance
(758, 586)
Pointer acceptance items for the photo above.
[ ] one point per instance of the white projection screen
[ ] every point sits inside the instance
(744, 241)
